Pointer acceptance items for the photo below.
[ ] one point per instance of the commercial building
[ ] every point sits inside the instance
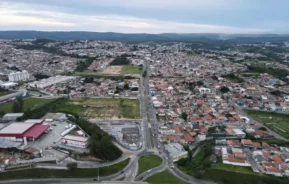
(19, 76)
(176, 151)
(12, 116)
(12, 96)
(75, 141)
(50, 81)
(29, 130)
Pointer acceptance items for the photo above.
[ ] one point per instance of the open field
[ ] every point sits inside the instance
(276, 121)
(164, 177)
(31, 103)
(148, 162)
(132, 70)
(102, 108)
(112, 70)
(56, 173)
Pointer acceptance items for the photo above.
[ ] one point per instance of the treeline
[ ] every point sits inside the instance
(100, 144)
(42, 110)
(234, 78)
(276, 72)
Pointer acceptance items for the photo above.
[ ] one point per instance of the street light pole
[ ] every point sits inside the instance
(98, 174)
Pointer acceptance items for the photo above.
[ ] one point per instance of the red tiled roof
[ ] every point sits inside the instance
(247, 142)
(189, 138)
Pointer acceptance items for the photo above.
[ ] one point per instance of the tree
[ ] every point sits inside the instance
(224, 89)
(197, 174)
(144, 74)
(263, 128)
(71, 166)
(207, 163)
(185, 116)
(17, 105)
(200, 83)
(126, 86)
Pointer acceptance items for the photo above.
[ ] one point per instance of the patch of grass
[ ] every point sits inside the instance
(132, 70)
(192, 53)
(56, 173)
(148, 162)
(276, 121)
(226, 176)
(32, 103)
(102, 108)
(227, 167)
(164, 177)
(3, 92)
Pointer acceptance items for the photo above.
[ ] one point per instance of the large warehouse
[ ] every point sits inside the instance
(29, 129)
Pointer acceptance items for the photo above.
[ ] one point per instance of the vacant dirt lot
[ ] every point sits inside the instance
(112, 70)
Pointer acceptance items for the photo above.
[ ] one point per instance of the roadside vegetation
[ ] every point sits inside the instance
(57, 173)
(164, 177)
(276, 121)
(3, 92)
(148, 162)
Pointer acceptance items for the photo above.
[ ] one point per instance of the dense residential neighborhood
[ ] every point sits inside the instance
(197, 109)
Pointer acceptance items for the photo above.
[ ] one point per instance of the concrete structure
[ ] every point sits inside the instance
(19, 76)
(12, 96)
(176, 151)
(12, 116)
(75, 141)
(8, 85)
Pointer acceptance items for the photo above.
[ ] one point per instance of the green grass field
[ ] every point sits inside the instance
(31, 103)
(56, 173)
(233, 168)
(148, 162)
(132, 70)
(102, 108)
(164, 177)
(275, 121)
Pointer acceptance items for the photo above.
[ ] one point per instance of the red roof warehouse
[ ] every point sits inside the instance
(29, 129)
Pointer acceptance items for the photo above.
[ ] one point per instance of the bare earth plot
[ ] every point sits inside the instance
(112, 70)
(103, 108)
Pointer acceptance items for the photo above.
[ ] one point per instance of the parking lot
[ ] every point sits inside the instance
(47, 140)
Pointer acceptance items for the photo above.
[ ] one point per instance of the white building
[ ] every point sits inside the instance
(75, 141)
(12, 116)
(51, 81)
(19, 76)
(239, 133)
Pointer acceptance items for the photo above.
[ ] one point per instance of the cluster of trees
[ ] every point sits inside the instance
(276, 72)
(83, 65)
(88, 80)
(233, 77)
(40, 76)
(14, 68)
(100, 144)
(224, 89)
(201, 160)
(120, 60)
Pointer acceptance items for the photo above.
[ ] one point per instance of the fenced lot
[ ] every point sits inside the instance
(102, 108)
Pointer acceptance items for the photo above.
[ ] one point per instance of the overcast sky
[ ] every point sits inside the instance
(147, 16)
